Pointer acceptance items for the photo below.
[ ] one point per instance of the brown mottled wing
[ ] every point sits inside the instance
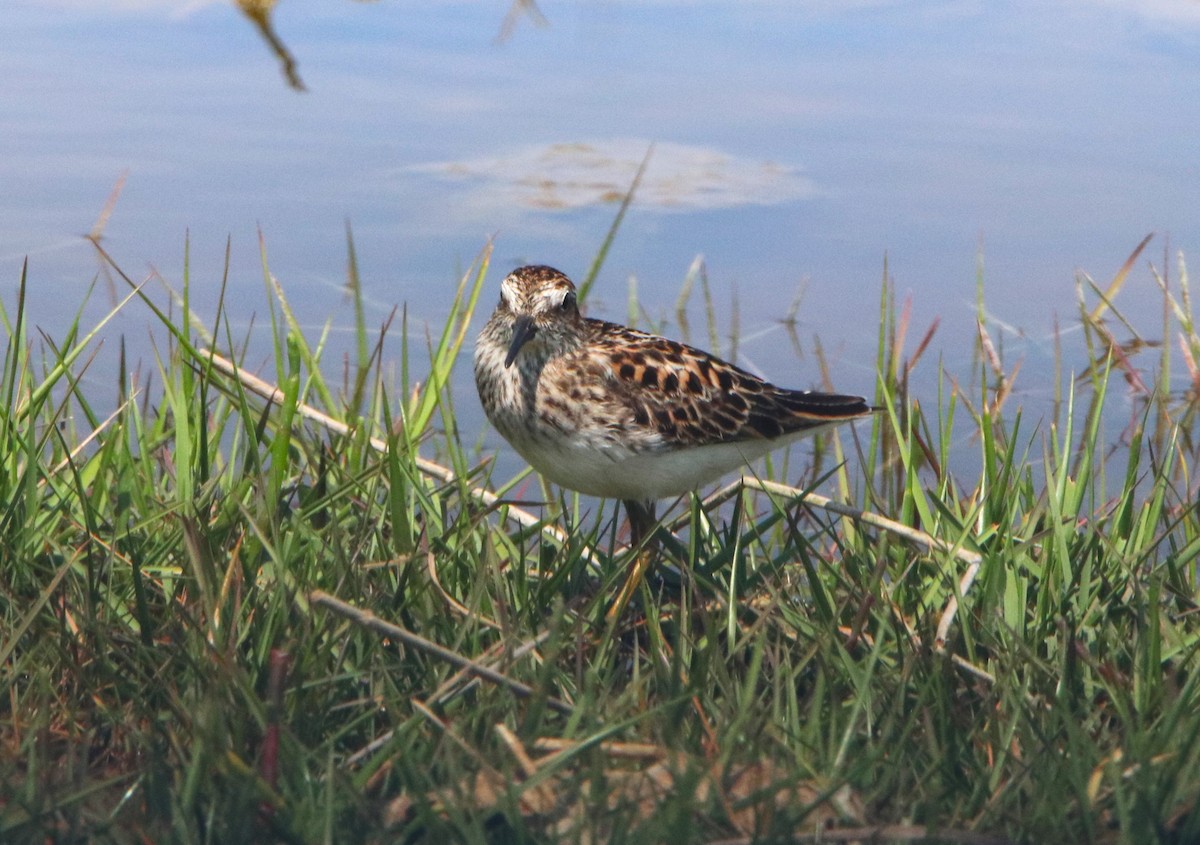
(691, 397)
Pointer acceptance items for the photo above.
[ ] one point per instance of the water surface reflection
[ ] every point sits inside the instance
(795, 146)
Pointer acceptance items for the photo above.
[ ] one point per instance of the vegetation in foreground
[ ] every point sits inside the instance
(233, 611)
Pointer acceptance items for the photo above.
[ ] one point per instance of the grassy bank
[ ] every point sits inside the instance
(301, 611)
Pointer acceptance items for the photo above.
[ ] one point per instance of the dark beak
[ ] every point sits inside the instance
(523, 332)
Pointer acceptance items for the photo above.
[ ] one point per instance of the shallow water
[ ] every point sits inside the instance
(794, 146)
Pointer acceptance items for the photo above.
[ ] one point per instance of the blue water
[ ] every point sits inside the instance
(797, 145)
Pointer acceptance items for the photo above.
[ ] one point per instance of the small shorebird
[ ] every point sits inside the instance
(615, 412)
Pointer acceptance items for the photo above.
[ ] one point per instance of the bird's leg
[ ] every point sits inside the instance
(641, 524)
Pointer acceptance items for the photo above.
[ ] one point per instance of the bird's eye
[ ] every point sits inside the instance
(568, 302)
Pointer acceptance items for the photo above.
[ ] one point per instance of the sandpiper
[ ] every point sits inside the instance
(611, 411)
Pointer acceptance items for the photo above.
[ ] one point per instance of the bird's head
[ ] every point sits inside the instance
(539, 303)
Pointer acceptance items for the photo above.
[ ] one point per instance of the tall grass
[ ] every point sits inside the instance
(244, 610)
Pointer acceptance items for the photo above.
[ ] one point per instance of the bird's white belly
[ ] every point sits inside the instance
(618, 473)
